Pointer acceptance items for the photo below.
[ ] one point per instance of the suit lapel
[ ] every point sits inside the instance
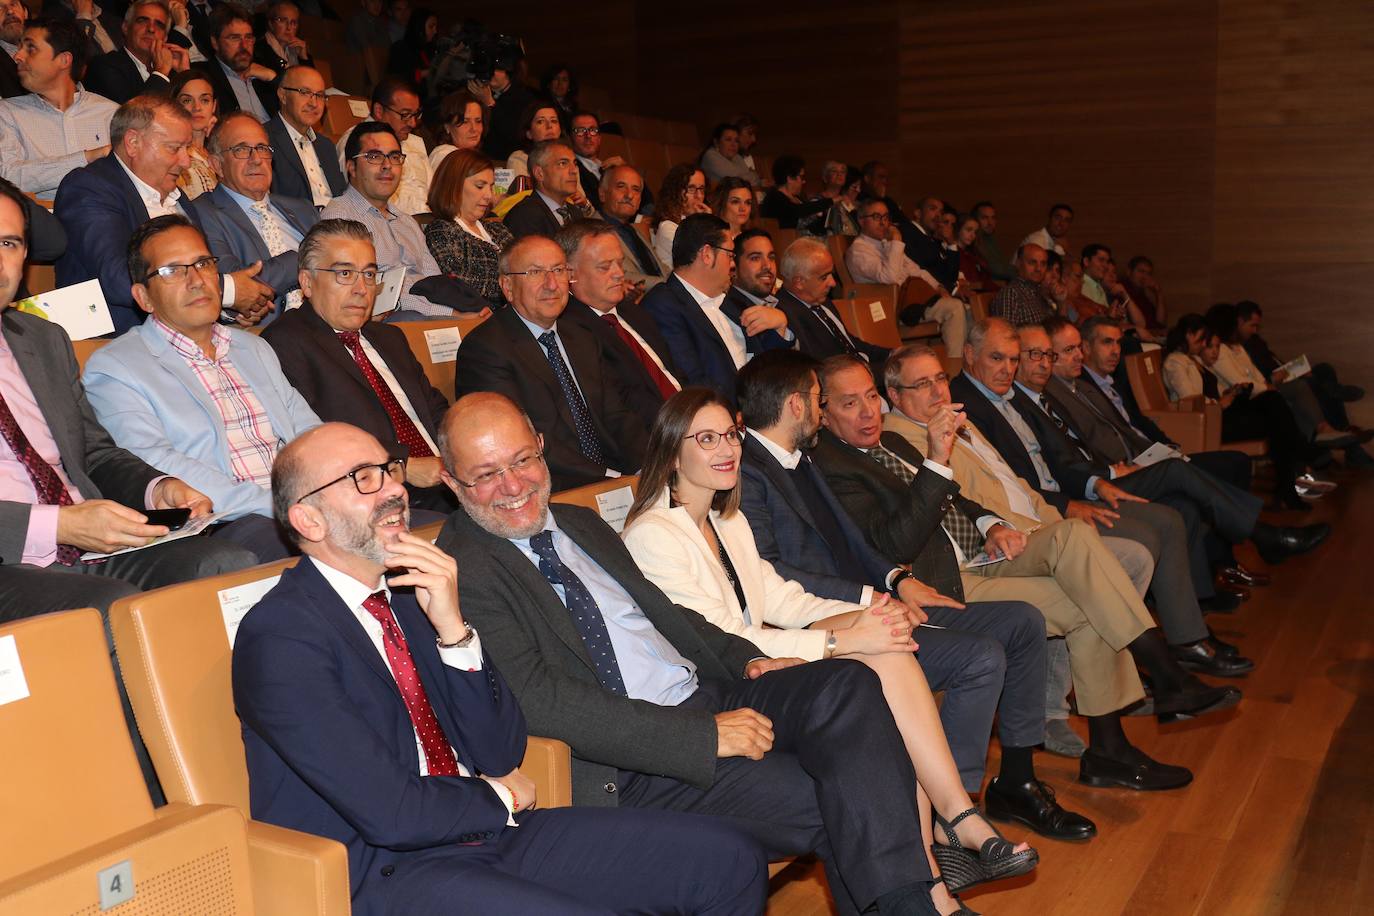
(330, 606)
(286, 151)
(704, 328)
(50, 393)
(234, 214)
(161, 350)
(333, 350)
(758, 456)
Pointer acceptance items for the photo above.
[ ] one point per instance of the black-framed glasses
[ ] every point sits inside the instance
(709, 439)
(880, 217)
(347, 276)
(923, 384)
(368, 479)
(178, 272)
(586, 131)
(375, 157)
(1038, 354)
(244, 151)
(730, 251)
(305, 93)
(488, 478)
(403, 115)
(537, 274)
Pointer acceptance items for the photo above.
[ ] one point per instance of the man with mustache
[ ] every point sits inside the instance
(199, 399)
(621, 194)
(372, 715)
(240, 84)
(304, 163)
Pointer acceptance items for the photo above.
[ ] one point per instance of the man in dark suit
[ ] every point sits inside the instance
(662, 709)
(620, 193)
(304, 164)
(244, 224)
(553, 370)
(923, 245)
(350, 369)
(1052, 467)
(634, 352)
(804, 531)
(146, 62)
(239, 83)
(557, 198)
(13, 15)
(708, 342)
(102, 204)
(372, 715)
(808, 276)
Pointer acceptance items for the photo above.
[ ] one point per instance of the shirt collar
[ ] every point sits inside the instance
(244, 200)
(788, 460)
(353, 592)
(147, 192)
(219, 339)
(231, 74)
(360, 201)
(143, 72)
(297, 136)
(767, 300)
(1102, 381)
(549, 525)
(701, 298)
(535, 329)
(552, 204)
(593, 165)
(10, 49)
(991, 395)
(1035, 396)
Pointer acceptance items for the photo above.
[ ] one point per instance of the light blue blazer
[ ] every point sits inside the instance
(153, 404)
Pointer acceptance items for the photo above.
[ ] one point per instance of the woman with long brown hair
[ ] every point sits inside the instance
(682, 193)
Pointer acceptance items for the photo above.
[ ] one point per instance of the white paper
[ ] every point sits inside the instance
(192, 527)
(1154, 455)
(80, 309)
(501, 181)
(13, 686)
(614, 506)
(236, 602)
(875, 308)
(1296, 368)
(443, 344)
(358, 108)
(983, 560)
(393, 279)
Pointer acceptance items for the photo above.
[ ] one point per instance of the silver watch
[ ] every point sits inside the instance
(460, 644)
(831, 643)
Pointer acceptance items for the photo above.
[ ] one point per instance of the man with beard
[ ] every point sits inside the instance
(240, 84)
(750, 302)
(13, 15)
(358, 728)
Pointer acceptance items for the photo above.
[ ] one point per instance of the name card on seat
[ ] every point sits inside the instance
(80, 309)
(236, 602)
(614, 506)
(13, 685)
(443, 344)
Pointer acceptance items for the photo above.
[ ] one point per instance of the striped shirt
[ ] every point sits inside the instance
(252, 443)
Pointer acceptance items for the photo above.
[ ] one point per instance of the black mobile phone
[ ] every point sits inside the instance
(172, 518)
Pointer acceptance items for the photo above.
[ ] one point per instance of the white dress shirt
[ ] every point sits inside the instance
(39, 144)
(873, 261)
(305, 148)
(731, 334)
(629, 329)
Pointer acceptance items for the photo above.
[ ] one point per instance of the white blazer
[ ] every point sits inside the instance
(673, 554)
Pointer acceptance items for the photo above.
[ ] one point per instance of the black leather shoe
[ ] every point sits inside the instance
(1248, 578)
(1034, 805)
(1139, 772)
(1195, 699)
(1222, 648)
(1276, 544)
(1201, 658)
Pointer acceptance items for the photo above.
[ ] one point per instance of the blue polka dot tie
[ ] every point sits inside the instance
(585, 613)
(587, 441)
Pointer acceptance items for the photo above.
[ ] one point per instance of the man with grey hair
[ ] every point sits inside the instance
(808, 276)
(247, 225)
(146, 62)
(557, 198)
(352, 369)
(102, 204)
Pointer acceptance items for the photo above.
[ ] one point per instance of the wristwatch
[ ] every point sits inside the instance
(460, 644)
(831, 643)
(902, 576)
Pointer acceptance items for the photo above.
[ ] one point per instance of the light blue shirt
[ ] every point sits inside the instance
(652, 669)
(254, 217)
(1002, 404)
(1107, 387)
(245, 93)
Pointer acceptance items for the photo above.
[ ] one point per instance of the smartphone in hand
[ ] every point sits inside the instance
(171, 518)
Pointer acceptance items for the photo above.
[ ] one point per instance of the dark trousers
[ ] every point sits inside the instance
(1231, 510)
(838, 781)
(1009, 681)
(586, 861)
(1267, 416)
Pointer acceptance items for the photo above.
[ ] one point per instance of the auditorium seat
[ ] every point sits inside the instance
(440, 374)
(869, 312)
(838, 246)
(605, 497)
(340, 114)
(1194, 425)
(79, 833)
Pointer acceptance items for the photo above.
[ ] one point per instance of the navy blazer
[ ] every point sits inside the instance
(694, 343)
(531, 217)
(622, 365)
(330, 746)
(786, 532)
(288, 172)
(114, 76)
(815, 339)
(931, 254)
(100, 209)
(1070, 469)
(235, 240)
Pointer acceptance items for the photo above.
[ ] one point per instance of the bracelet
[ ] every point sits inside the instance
(460, 644)
(514, 799)
(831, 643)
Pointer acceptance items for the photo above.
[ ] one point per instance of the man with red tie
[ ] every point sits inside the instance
(635, 352)
(351, 369)
(372, 715)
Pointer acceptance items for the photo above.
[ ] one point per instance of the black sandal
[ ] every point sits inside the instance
(962, 868)
(963, 907)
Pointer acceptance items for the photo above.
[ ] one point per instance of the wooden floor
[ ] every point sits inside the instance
(1280, 816)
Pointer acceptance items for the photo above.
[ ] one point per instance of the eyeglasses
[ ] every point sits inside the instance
(586, 131)
(489, 478)
(923, 384)
(880, 217)
(368, 479)
(244, 151)
(347, 276)
(178, 272)
(709, 439)
(1039, 354)
(305, 93)
(375, 157)
(728, 251)
(696, 189)
(403, 115)
(537, 274)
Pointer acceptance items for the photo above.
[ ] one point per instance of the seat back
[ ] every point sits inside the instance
(40, 278)
(84, 349)
(434, 345)
(838, 246)
(869, 312)
(174, 651)
(68, 769)
(1147, 380)
(341, 112)
(609, 498)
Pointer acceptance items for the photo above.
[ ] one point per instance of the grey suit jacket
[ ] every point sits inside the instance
(531, 636)
(91, 460)
(1095, 421)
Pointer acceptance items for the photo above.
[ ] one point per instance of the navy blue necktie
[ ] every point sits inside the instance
(586, 614)
(587, 441)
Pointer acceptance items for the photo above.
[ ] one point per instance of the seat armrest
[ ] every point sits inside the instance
(1187, 428)
(548, 762)
(297, 873)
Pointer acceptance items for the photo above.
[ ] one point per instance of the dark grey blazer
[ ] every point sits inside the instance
(531, 636)
(288, 171)
(91, 460)
(902, 522)
(1095, 421)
